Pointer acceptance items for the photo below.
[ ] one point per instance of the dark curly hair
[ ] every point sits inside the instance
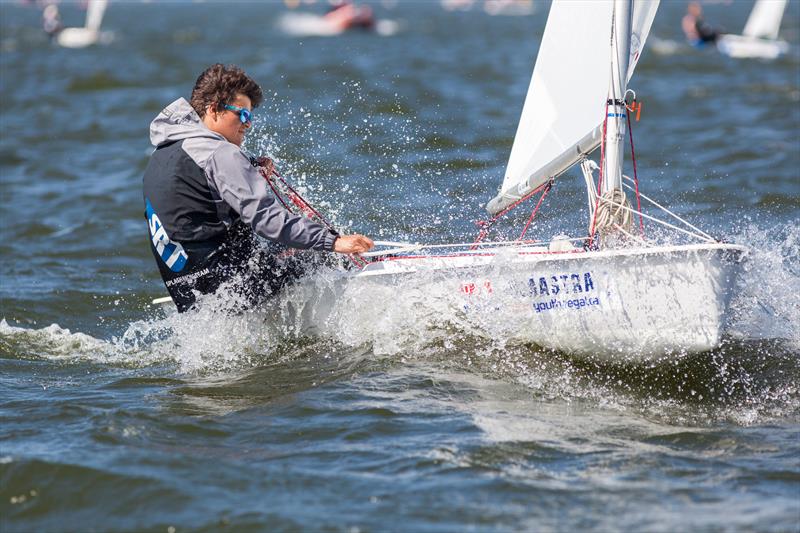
(219, 84)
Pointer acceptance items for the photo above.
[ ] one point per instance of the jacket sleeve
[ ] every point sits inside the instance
(241, 186)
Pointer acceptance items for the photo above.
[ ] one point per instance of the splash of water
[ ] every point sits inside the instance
(402, 156)
(767, 304)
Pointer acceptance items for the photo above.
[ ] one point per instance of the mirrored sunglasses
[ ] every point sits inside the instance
(245, 115)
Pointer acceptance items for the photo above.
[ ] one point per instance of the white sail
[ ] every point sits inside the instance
(563, 112)
(765, 19)
(94, 14)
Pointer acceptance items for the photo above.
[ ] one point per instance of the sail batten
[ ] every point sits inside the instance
(565, 105)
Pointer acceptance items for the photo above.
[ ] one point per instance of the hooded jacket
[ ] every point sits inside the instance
(201, 192)
(199, 185)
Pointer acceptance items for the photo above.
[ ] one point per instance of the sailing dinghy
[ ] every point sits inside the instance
(90, 33)
(612, 292)
(760, 36)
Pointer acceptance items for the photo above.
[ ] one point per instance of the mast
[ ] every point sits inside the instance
(563, 119)
(616, 125)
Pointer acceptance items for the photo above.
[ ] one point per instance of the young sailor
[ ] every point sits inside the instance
(205, 201)
(698, 32)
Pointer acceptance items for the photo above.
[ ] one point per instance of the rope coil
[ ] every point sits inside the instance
(613, 212)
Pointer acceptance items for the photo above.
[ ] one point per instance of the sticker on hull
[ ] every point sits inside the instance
(572, 291)
(569, 291)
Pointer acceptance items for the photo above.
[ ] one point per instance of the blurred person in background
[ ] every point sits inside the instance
(51, 20)
(206, 202)
(345, 15)
(697, 31)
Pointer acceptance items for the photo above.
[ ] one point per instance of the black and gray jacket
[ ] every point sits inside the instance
(201, 192)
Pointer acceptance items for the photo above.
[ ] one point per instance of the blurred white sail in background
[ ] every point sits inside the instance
(765, 19)
(760, 36)
(95, 10)
(90, 33)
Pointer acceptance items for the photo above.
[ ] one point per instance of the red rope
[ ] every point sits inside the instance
(274, 189)
(296, 197)
(300, 203)
(536, 209)
(486, 224)
(635, 175)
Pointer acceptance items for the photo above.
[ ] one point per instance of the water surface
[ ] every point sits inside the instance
(117, 417)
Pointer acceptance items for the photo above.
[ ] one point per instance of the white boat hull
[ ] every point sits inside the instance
(740, 47)
(83, 37)
(77, 37)
(616, 304)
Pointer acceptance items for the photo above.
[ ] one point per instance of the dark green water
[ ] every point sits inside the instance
(115, 417)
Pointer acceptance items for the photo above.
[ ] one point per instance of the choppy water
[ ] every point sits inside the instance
(116, 417)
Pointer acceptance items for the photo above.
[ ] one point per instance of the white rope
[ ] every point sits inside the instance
(588, 167)
(607, 218)
(396, 248)
(492, 244)
(393, 243)
(667, 224)
(632, 236)
(676, 217)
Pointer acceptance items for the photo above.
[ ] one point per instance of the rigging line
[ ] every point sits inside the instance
(587, 167)
(309, 206)
(274, 190)
(635, 175)
(519, 201)
(667, 224)
(396, 243)
(631, 235)
(357, 260)
(411, 247)
(536, 209)
(525, 244)
(303, 205)
(698, 230)
(608, 215)
(486, 224)
(394, 251)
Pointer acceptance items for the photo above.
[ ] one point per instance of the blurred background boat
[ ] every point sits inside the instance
(89, 33)
(760, 36)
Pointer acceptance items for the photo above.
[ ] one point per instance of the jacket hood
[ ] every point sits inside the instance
(179, 121)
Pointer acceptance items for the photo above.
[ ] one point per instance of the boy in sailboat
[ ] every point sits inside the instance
(206, 203)
(51, 20)
(698, 32)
